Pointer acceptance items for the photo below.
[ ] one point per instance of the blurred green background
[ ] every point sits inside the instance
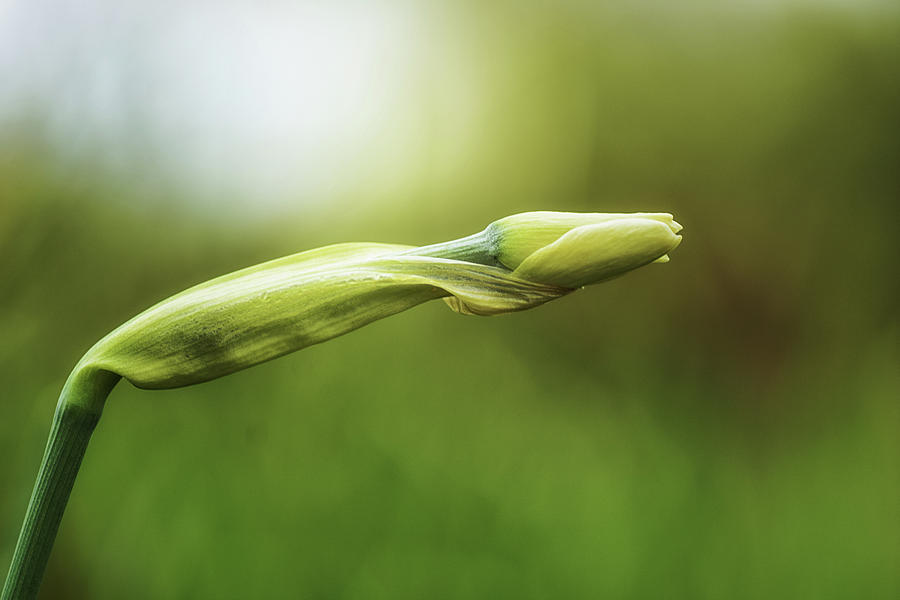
(723, 426)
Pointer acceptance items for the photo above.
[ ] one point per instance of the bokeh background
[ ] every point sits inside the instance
(723, 426)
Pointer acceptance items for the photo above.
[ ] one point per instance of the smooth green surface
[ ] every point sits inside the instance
(721, 426)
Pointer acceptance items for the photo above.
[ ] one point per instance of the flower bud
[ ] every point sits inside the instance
(262, 312)
(576, 249)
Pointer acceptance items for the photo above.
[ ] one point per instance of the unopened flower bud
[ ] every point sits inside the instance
(262, 312)
(576, 249)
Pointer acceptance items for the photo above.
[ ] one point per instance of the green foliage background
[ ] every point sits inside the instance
(722, 426)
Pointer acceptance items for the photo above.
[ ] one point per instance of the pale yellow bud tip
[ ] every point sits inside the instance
(573, 249)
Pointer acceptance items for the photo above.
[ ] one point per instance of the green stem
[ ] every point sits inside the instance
(477, 248)
(76, 416)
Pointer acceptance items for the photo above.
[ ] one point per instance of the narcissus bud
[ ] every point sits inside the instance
(262, 312)
(577, 249)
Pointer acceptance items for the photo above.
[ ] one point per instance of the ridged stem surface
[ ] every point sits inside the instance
(76, 416)
(69, 437)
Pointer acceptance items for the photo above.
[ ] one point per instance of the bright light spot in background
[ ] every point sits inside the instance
(269, 102)
(280, 106)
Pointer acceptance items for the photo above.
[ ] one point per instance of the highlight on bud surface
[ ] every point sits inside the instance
(265, 311)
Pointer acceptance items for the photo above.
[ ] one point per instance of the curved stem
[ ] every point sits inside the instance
(73, 423)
